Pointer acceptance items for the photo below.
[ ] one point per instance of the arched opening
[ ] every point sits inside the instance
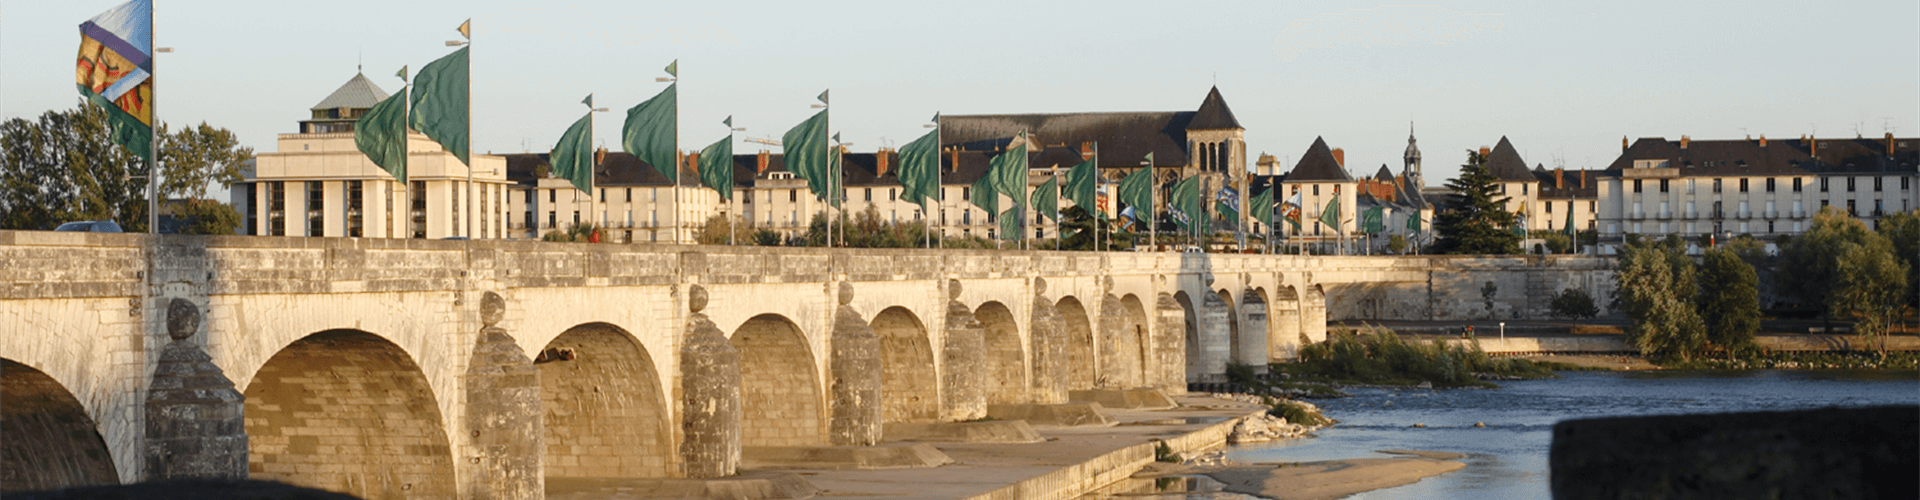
(1081, 366)
(1136, 345)
(50, 441)
(1192, 333)
(348, 411)
(1252, 346)
(907, 381)
(1233, 326)
(606, 413)
(1005, 360)
(779, 386)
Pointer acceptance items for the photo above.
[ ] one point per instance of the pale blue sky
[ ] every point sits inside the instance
(1560, 79)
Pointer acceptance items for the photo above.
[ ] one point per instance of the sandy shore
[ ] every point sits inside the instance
(1333, 478)
(1596, 361)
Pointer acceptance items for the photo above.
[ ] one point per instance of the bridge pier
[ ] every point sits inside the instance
(504, 413)
(964, 395)
(1048, 352)
(710, 415)
(195, 424)
(1283, 335)
(1167, 367)
(858, 408)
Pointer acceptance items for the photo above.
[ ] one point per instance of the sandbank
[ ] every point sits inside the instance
(1332, 479)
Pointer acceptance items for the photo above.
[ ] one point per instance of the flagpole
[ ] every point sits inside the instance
(1099, 182)
(1153, 217)
(153, 129)
(677, 159)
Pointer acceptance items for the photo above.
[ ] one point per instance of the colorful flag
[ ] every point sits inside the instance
(651, 130)
(806, 154)
(1520, 224)
(1009, 171)
(115, 72)
(441, 104)
(1127, 213)
(716, 167)
(1227, 204)
(1102, 201)
(1046, 198)
(572, 157)
(382, 133)
(920, 169)
(1080, 186)
(1291, 209)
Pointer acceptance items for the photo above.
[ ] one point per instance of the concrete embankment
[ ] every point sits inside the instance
(1070, 462)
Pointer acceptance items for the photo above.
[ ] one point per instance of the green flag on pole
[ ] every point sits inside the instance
(1569, 230)
(572, 158)
(382, 134)
(1136, 190)
(1185, 203)
(1372, 220)
(805, 149)
(651, 131)
(716, 167)
(983, 195)
(1009, 171)
(1010, 224)
(1331, 216)
(920, 169)
(441, 104)
(674, 68)
(1046, 198)
(1080, 183)
(1262, 206)
(1413, 222)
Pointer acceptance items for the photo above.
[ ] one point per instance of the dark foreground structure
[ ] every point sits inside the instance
(1825, 453)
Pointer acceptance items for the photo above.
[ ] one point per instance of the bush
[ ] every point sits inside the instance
(1380, 356)
(1574, 303)
(1296, 413)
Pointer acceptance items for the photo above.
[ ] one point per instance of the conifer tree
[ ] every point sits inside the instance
(1475, 220)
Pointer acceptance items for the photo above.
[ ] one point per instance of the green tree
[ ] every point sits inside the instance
(1079, 228)
(1487, 292)
(1903, 230)
(62, 167)
(1809, 267)
(205, 216)
(196, 157)
(1475, 220)
(1731, 306)
(718, 230)
(766, 237)
(1397, 244)
(1573, 303)
(1871, 286)
(1660, 319)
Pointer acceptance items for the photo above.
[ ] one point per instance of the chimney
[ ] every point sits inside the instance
(760, 162)
(1763, 140)
(1340, 157)
(1559, 178)
(1813, 147)
(1684, 140)
(600, 155)
(1086, 151)
(1889, 144)
(693, 162)
(955, 155)
(1623, 144)
(1483, 152)
(880, 162)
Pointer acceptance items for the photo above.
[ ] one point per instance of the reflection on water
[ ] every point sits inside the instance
(1508, 458)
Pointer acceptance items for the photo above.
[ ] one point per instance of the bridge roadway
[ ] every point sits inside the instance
(474, 369)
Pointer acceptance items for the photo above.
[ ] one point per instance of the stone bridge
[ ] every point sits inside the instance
(476, 369)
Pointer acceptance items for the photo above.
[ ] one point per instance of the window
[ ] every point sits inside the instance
(455, 209)
(1769, 184)
(316, 209)
(867, 196)
(418, 209)
(966, 194)
(277, 208)
(1796, 184)
(1823, 184)
(551, 193)
(603, 195)
(629, 195)
(1636, 185)
(1849, 184)
(1716, 185)
(1850, 210)
(1743, 185)
(354, 200)
(1663, 185)
(1316, 189)
(891, 195)
(1903, 183)
(1876, 183)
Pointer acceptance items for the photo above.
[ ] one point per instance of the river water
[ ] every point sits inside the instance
(1508, 458)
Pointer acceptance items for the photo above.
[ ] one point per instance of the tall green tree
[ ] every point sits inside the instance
(1476, 219)
(1809, 266)
(197, 157)
(1871, 288)
(1731, 305)
(65, 167)
(1903, 230)
(1661, 321)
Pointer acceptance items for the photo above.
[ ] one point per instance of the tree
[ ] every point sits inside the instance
(1871, 286)
(1660, 320)
(63, 167)
(1809, 266)
(1487, 292)
(1903, 230)
(1397, 244)
(1731, 306)
(1573, 303)
(196, 157)
(1476, 220)
(205, 216)
(718, 230)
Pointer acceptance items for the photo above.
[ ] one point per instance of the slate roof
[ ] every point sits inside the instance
(1411, 197)
(1506, 164)
(622, 169)
(1744, 157)
(1214, 114)
(1580, 184)
(1384, 175)
(1318, 165)
(358, 92)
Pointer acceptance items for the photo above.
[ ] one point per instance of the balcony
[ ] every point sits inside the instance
(1743, 214)
(1636, 216)
(1772, 214)
(1663, 214)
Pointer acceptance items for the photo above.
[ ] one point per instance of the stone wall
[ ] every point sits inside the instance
(50, 442)
(1449, 288)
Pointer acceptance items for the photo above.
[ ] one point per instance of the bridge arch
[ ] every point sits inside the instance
(1132, 346)
(605, 409)
(780, 395)
(1080, 364)
(348, 411)
(1255, 323)
(1233, 325)
(1191, 332)
(50, 442)
(910, 389)
(1005, 360)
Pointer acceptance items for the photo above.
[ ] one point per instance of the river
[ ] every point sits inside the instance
(1508, 457)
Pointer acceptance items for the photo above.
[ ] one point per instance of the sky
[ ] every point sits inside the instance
(1564, 81)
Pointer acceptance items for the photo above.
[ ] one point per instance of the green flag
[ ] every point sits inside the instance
(1009, 172)
(1372, 220)
(1080, 184)
(1262, 206)
(1413, 222)
(1136, 190)
(1232, 215)
(674, 69)
(983, 195)
(920, 169)
(716, 167)
(382, 134)
(1185, 204)
(572, 158)
(441, 105)
(806, 153)
(1010, 224)
(1331, 216)
(651, 131)
(1569, 230)
(1046, 198)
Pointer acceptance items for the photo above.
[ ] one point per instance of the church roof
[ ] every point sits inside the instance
(1214, 114)
(1318, 164)
(1124, 138)
(358, 92)
(1506, 164)
(1384, 175)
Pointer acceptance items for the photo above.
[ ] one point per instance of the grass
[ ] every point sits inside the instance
(1379, 356)
(1837, 360)
(1296, 413)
